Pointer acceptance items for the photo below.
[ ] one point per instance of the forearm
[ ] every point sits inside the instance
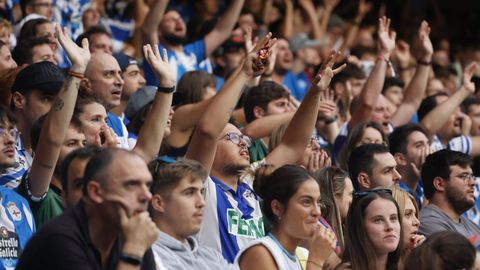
(187, 116)
(414, 94)
(51, 137)
(370, 93)
(152, 20)
(331, 131)
(287, 24)
(264, 126)
(152, 132)
(299, 131)
(436, 118)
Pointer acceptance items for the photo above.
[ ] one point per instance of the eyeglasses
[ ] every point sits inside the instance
(12, 132)
(466, 176)
(360, 194)
(237, 138)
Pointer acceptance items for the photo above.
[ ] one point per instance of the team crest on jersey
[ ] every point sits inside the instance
(14, 211)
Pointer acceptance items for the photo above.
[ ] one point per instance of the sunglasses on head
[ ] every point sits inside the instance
(360, 194)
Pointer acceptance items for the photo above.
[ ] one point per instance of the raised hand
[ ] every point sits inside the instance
(386, 37)
(424, 47)
(307, 5)
(79, 56)
(259, 58)
(325, 74)
(468, 73)
(330, 4)
(161, 67)
(328, 107)
(250, 42)
(364, 7)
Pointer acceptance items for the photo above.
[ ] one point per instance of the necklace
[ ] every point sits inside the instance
(291, 256)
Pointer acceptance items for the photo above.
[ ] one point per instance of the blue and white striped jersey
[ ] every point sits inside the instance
(12, 176)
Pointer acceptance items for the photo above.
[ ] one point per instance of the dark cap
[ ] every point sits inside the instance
(124, 61)
(44, 76)
(145, 96)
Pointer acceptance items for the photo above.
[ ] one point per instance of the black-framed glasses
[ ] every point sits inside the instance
(236, 138)
(360, 194)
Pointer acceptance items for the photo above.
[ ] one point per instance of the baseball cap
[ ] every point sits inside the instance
(124, 60)
(43, 76)
(301, 41)
(145, 96)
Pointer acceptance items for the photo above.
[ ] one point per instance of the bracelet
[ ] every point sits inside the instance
(130, 259)
(79, 75)
(317, 264)
(167, 90)
(381, 57)
(423, 63)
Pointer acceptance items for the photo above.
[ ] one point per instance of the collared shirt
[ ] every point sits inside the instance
(65, 243)
(418, 194)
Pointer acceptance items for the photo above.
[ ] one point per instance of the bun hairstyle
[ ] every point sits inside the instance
(280, 185)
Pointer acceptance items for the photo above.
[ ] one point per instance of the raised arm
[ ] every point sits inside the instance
(363, 8)
(204, 140)
(287, 24)
(300, 129)
(264, 126)
(151, 22)
(58, 118)
(223, 28)
(373, 87)
(151, 134)
(309, 8)
(418, 85)
(437, 117)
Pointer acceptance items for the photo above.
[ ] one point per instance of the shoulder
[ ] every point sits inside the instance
(257, 256)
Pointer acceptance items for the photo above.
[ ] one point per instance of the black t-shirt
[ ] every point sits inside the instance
(64, 243)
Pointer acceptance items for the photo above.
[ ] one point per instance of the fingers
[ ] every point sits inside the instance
(471, 69)
(165, 55)
(263, 43)
(157, 52)
(339, 69)
(123, 216)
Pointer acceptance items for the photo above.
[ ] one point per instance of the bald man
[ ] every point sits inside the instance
(104, 81)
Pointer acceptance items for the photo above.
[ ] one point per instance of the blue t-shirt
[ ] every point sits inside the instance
(297, 84)
(180, 62)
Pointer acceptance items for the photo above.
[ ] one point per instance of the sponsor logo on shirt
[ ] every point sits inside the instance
(250, 228)
(14, 211)
(9, 247)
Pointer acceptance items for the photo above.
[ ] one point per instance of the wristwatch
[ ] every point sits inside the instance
(130, 259)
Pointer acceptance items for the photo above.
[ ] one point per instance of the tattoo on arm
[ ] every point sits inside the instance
(57, 105)
(45, 165)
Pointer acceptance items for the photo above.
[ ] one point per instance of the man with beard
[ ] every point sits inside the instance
(169, 30)
(449, 185)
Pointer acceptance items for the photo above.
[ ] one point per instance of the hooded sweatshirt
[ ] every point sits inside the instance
(173, 254)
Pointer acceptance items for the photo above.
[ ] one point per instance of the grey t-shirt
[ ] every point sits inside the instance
(433, 220)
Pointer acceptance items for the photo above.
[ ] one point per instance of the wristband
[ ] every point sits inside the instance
(167, 90)
(79, 75)
(423, 63)
(130, 259)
